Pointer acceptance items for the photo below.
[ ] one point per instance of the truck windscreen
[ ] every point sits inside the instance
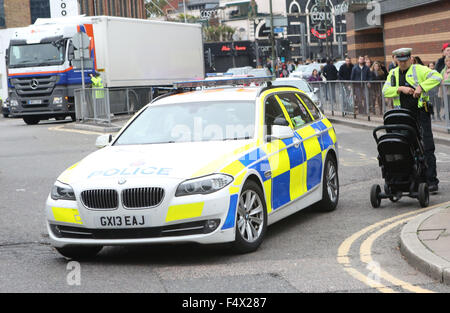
(43, 54)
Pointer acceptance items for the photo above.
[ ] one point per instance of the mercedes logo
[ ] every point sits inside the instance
(122, 181)
(34, 84)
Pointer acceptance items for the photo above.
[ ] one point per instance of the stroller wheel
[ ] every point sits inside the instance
(424, 195)
(375, 199)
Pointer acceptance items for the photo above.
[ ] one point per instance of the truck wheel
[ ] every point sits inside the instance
(79, 252)
(31, 120)
(251, 219)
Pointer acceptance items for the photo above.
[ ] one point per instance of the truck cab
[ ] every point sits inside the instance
(41, 76)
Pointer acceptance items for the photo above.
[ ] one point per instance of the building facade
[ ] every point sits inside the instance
(19, 13)
(377, 30)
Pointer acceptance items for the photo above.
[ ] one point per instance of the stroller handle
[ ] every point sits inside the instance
(393, 127)
(397, 127)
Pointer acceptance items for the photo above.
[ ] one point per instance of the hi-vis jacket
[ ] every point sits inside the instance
(97, 84)
(416, 75)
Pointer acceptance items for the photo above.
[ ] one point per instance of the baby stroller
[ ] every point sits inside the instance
(401, 158)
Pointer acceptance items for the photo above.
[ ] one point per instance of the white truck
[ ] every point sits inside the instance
(44, 67)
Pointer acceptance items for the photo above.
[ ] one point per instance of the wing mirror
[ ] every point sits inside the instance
(103, 140)
(316, 90)
(281, 132)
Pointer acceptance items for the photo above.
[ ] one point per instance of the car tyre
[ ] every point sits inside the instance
(31, 120)
(79, 252)
(330, 186)
(251, 219)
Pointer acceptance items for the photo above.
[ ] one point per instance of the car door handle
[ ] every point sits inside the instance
(297, 143)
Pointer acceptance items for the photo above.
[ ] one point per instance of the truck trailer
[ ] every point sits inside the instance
(45, 61)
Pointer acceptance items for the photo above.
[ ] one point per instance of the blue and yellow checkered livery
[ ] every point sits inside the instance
(288, 168)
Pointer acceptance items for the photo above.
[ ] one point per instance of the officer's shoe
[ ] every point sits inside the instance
(433, 188)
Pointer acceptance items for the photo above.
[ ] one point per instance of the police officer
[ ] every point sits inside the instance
(408, 85)
(97, 84)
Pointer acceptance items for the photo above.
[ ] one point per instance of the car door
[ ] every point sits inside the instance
(275, 171)
(305, 151)
(326, 134)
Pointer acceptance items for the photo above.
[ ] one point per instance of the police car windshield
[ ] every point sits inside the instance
(192, 122)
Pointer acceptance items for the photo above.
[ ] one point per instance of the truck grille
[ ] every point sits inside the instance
(142, 197)
(100, 199)
(38, 86)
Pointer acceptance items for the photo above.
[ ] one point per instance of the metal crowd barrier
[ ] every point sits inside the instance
(101, 106)
(365, 99)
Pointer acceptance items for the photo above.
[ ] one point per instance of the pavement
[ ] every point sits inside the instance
(424, 240)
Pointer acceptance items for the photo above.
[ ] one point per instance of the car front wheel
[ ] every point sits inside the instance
(251, 219)
(79, 252)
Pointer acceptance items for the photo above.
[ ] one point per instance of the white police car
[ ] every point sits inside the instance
(211, 166)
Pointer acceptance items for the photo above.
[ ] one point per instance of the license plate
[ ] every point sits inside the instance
(122, 221)
(34, 101)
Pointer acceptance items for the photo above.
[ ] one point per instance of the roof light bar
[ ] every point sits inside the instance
(236, 81)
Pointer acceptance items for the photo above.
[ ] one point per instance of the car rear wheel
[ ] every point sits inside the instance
(79, 252)
(330, 189)
(251, 219)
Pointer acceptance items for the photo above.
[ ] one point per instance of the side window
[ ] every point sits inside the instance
(297, 112)
(311, 107)
(273, 112)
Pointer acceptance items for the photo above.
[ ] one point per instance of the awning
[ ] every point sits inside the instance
(237, 2)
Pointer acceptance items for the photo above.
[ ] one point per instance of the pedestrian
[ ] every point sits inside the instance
(360, 75)
(446, 83)
(331, 75)
(284, 71)
(393, 63)
(434, 98)
(377, 72)
(345, 71)
(440, 64)
(409, 85)
(98, 93)
(377, 75)
(315, 77)
(416, 60)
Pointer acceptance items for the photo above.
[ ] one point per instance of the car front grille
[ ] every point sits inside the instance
(103, 199)
(142, 197)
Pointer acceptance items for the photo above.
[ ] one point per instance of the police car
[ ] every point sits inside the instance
(216, 165)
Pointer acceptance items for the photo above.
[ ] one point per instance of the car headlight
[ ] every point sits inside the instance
(14, 103)
(203, 185)
(62, 191)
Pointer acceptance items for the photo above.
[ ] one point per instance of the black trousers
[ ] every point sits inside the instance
(424, 119)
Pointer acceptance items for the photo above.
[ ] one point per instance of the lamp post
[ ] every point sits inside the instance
(323, 8)
(272, 38)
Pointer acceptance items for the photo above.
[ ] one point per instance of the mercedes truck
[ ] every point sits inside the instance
(46, 61)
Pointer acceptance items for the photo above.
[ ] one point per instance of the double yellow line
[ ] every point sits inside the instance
(365, 253)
